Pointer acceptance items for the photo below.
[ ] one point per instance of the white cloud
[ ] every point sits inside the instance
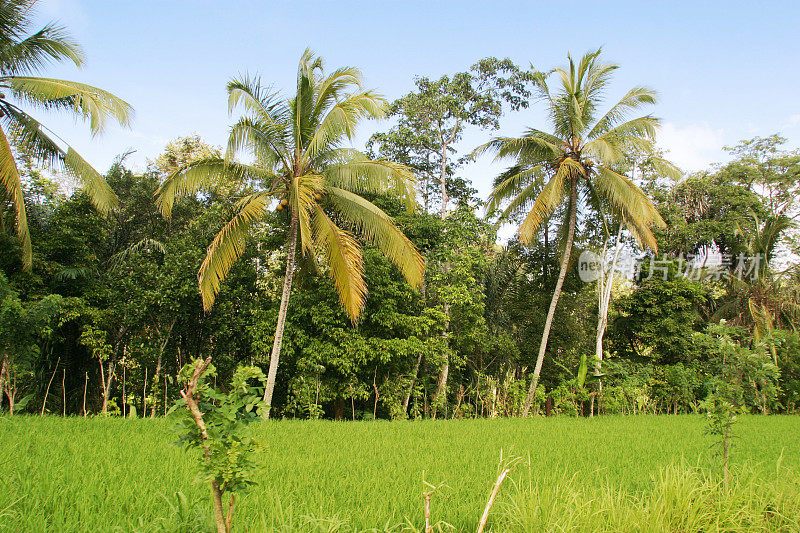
(794, 120)
(693, 147)
(155, 140)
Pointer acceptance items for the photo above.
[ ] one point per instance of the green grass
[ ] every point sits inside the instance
(608, 473)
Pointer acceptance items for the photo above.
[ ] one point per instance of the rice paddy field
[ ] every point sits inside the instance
(643, 473)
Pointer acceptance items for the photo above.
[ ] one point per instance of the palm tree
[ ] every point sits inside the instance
(22, 55)
(760, 298)
(578, 161)
(298, 159)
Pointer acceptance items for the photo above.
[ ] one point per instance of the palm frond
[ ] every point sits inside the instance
(535, 147)
(265, 104)
(73, 273)
(341, 120)
(302, 106)
(665, 168)
(346, 264)
(638, 210)
(188, 180)
(266, 141)
(33, 136)
(32, 53)
(267, 126)
(203, 174)
(332, 87)
(597, 76)
(551, 196)
(378, 228)
(229, 245)
(526, 198)
(96, 187)
(302, 201)
(633, 100)
(90, 103)
(337, 156)
(363, 175)
(644, 127)
(637, 134)
(12, 187)
(517, 183)
(144, 245)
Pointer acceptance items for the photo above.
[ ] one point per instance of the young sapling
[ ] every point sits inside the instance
(217, 423)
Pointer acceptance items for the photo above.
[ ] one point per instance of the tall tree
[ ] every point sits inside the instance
(760, 164)
(576, 161)
(22, 55)
(613, 222)
(299, 160)
(432, 120)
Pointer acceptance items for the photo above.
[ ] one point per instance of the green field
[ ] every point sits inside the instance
(97, 474)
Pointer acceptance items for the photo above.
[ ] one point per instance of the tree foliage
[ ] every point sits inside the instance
(110, 299)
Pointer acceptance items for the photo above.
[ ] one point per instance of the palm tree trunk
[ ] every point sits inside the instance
(573, 200)
(291, 246)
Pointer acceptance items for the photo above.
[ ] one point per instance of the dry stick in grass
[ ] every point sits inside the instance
(506, 466)
(426, 498)
(63, 392)
(47, 391)
(495, 492)
(165, 395)
(85, 384)
(352, 402)
(124, 398)
(223, 523)
(377, 395)
(144, 394)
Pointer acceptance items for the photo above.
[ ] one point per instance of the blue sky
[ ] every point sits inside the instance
(724, 70)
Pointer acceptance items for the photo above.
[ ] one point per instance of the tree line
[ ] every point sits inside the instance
(372, 283)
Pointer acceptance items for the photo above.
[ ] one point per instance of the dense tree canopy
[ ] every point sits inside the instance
(109, 298)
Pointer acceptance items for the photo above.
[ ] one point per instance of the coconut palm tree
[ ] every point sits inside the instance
(298, 160)
(22, 56)
(577, 164)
